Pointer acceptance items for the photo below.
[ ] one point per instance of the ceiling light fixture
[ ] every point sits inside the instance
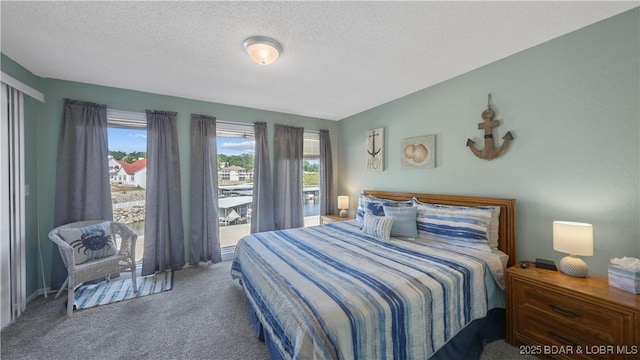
(262, 49)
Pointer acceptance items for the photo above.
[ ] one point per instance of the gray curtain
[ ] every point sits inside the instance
(205, 231)
(262, 202)
(327, 195)
(288, 145)
(82, 172)
(163, 232)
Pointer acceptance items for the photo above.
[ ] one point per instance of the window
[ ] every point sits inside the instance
(127, 136)
(311, 177)
(236, 150)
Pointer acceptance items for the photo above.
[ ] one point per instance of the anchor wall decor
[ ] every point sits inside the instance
(375, 149)
(490, 151)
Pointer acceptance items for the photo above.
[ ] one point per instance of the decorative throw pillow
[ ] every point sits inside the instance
(404, 221)
(379, 226)
(367, 203)
(372, 204)
(464, 226)
(90, 242)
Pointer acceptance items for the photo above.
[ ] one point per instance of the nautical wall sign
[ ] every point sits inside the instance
(375, 149)
(489, 151)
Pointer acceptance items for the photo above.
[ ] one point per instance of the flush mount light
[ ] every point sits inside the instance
(262, 49)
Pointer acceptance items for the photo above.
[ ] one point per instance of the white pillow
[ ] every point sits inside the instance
(90, 242)
(494, 226)
(379, 226)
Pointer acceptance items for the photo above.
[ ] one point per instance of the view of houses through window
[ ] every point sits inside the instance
(128, 177)
(236, 149)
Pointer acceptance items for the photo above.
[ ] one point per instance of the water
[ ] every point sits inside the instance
(311, 208)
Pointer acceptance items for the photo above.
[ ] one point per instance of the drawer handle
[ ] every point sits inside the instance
(563, 311)
(563, 339)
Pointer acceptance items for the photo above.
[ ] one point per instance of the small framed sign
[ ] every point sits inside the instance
(375, 149)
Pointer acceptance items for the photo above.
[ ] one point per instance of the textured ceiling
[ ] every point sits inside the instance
(339, 58)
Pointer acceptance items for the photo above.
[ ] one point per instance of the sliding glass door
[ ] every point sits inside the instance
(12, 206)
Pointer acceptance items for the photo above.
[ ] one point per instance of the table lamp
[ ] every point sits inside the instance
(343, 205)
(574, 239)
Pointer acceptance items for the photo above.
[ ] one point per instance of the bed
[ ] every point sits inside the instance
(336, 291)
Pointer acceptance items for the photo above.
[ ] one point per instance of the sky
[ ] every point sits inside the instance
(130, 140)
(127, 140)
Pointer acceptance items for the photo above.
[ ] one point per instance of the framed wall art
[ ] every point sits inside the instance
(375, 149)
(418, 152)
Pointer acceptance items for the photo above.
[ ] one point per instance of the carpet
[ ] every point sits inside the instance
(109, 292)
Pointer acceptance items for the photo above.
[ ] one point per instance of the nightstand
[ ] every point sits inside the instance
(327, 219)
(553, 315)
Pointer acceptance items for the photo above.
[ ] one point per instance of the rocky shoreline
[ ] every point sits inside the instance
(129, 214)
(127, 196)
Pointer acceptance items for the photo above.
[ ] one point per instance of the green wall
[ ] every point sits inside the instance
(572, 104)
(42, 142)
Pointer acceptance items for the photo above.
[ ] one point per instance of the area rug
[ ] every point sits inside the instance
(109, 292)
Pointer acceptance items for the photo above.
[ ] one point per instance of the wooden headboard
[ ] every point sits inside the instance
(507, 233)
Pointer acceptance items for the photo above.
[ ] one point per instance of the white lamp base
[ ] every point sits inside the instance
(574, 266)
(343, 213)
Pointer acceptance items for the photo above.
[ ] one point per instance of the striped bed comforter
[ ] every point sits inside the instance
(333, 292)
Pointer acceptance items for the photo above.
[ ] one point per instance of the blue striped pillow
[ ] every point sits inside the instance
(465, 226)
(379, 226)
(494, 226)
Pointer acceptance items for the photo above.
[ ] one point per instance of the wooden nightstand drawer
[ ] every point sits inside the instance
(538, 324)
(544, 331)
(586, 321)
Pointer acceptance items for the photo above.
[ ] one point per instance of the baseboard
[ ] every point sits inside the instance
(37, 293)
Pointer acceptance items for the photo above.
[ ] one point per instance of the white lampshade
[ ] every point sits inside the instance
(343, 205)
(574, 239)
(262, 50)
(343, 202)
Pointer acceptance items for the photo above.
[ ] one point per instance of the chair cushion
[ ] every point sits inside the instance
(90, 242)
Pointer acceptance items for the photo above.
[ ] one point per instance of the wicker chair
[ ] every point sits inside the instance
(123, 260)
